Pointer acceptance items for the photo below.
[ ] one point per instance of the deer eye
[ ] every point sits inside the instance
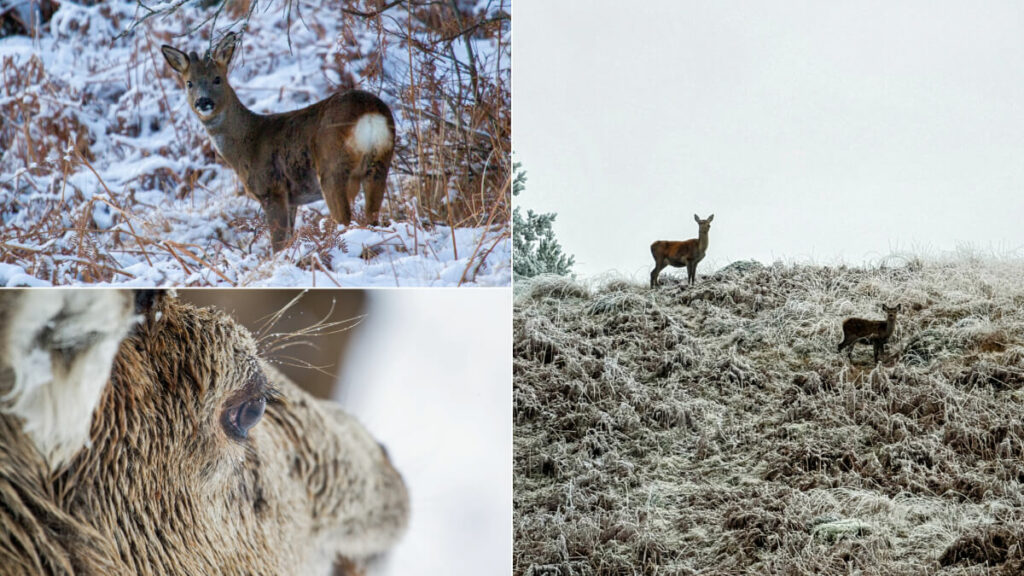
(188, 83)
(216, 80)
(239, 419)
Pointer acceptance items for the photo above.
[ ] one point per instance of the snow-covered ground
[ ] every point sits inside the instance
(430, 375)
(107, 177)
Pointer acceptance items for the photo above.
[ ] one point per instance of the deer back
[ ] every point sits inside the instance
(861, 328)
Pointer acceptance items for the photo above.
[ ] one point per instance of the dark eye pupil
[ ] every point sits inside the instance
(189, 83)
(247, 415)
(216, 80)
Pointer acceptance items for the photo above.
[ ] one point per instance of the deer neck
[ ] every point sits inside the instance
(232, 130)
(702, 242)
(889, 326)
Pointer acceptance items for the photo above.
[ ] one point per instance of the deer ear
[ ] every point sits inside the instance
(56, 351)
(176, 58)
(696, 218)
(225, 49)
(710, 218)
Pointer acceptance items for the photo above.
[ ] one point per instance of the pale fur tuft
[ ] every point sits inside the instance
(59, 346)
(371, 133)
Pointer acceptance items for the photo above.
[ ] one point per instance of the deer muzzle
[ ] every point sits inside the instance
(204, 105)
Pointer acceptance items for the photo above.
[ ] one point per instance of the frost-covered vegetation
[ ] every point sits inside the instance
(716, 430)
(535, 249)
(106, 176)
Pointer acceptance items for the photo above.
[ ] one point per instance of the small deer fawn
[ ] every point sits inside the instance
(876, 332)
(678, 254)
(326, 150)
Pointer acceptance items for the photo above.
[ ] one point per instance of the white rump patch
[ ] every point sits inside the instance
(370, 134)
(60, 346)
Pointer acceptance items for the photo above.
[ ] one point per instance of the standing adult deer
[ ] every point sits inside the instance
(685, 253)
(875, 332)
(326, 150)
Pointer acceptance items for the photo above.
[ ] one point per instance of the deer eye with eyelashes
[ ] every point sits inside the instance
(188, 83)
(239, 418)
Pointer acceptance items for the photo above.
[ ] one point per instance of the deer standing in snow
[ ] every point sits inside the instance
(685, 253)
(326, 150)
(875, 332)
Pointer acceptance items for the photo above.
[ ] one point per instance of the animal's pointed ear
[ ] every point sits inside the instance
(710, 218)
(56, 351)
(225, 49)
(696, 218)
(176, 58)
(899, 307)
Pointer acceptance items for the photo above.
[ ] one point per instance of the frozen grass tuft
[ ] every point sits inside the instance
(715, 429)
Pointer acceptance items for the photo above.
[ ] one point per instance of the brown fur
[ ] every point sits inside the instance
(874, 332)
(681, 253)
(292, 158)
(162, 488)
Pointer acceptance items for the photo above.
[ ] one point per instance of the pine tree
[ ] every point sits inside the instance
(535, 250)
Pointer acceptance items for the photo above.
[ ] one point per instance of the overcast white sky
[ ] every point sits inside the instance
(816, 131)
(430, 375)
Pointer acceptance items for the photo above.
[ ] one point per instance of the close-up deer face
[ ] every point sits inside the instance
(206, 78)
(703, 225)
(199, 459)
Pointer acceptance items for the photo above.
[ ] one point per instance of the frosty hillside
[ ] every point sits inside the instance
(107, 177)
(714, 429)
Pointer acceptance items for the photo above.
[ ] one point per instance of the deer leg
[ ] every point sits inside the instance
(691, 273)
(659, 265)
(374, 185)
(352, 186)
(280, 218)
(847, 343)
(333, 182)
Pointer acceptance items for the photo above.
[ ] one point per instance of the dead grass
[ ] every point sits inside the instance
(715, 430)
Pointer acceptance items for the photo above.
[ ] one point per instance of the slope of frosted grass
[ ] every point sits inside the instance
(715, 430)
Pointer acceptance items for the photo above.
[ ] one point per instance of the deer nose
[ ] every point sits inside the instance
(204, 104)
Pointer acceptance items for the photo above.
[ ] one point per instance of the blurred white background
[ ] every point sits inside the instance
(429, 373)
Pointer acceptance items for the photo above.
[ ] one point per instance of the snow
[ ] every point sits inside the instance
(431, 378)
(154, 204)
(11, 275)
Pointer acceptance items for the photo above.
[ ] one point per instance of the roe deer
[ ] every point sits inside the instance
(685, 253)
(146, 436)
(326, 150)
(875, 332)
